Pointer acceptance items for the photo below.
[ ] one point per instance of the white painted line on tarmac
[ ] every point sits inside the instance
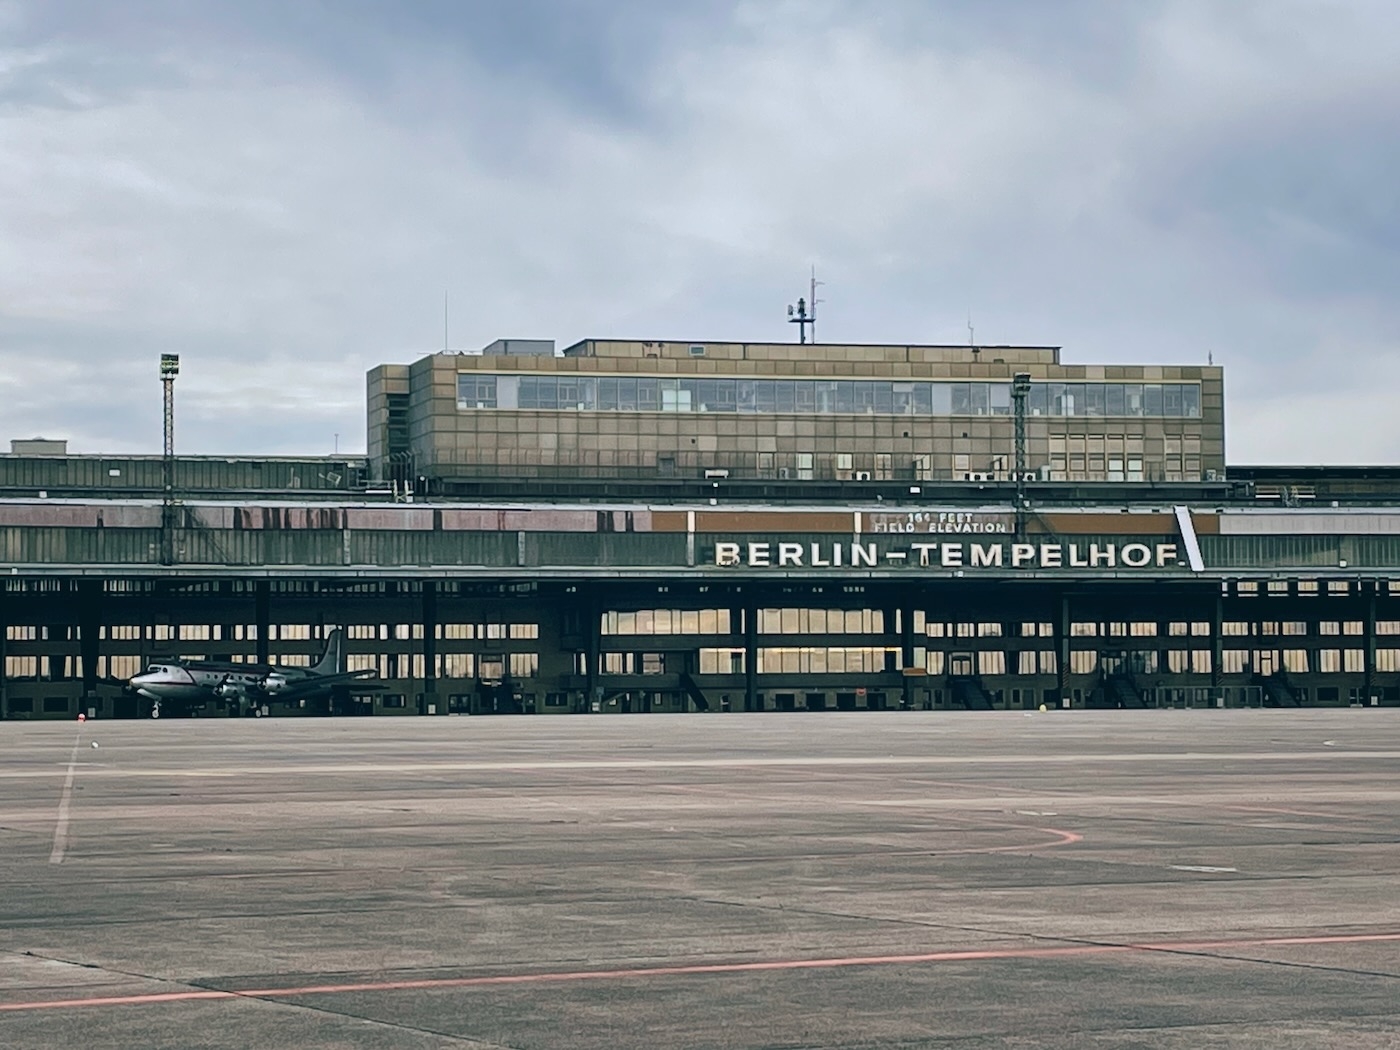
(60, 830)
(1205, 868)
(624, 764)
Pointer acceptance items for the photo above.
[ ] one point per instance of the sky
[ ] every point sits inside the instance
(283, 192)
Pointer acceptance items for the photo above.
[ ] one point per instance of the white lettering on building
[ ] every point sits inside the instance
(954, 554)
(1135, 555)
(984, 555)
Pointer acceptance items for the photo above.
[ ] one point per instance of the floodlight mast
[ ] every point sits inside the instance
(169, 369)
(800, 317)
(1020, 389)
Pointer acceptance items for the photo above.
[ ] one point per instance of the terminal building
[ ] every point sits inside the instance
(721, 527)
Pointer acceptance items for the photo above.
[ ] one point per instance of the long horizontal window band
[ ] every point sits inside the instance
(822, 396)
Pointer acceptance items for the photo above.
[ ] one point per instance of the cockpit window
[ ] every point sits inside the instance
(154, 669)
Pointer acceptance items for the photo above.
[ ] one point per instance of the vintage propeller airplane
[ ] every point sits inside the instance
(183, 685)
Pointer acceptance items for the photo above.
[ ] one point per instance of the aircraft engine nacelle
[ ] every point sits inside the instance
(273, 683)
(228, 691)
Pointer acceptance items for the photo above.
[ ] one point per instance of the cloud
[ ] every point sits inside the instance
(283, 194)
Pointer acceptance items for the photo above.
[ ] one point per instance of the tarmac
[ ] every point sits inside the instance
(892, 879)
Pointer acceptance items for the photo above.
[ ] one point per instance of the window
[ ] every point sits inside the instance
(809, 396)
(666, 621)
(479, 391)
(456, 665)
(828, 660)
(721, 661)
(1083, 661)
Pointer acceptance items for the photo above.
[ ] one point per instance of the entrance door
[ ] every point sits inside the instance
(1266, 662)
(960, 665)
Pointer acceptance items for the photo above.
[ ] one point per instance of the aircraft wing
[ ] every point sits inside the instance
(325, 681)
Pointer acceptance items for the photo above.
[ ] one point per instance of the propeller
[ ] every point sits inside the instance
(273, 683)
(228, 690)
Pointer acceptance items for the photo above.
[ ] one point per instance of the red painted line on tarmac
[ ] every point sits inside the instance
(119, 1000)
(973, 955)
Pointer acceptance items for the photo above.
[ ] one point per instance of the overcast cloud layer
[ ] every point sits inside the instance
(281, 192)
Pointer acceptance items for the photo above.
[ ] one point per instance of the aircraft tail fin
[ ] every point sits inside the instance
(331, 661)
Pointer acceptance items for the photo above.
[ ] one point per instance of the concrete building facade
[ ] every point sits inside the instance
(611, 408)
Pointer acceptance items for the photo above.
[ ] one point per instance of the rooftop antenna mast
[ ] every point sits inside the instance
(444, 321)
(812, 301)
(971, 335)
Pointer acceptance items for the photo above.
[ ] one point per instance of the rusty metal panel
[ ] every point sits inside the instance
(389, 519)
(1108, 524)
(773, 521)
(211, 517)
(48, 515)
(474, 520)
(667, 520)
(1207, 524)
(551, 520)
(313, 518)
(117, 516)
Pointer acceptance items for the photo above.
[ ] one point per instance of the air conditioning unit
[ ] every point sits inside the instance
(785, 473)
(862, 475)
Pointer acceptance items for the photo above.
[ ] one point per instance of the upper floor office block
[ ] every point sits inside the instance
(783, 410)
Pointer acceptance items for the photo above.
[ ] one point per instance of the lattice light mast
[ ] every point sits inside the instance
(169, 369)
(1020, 389)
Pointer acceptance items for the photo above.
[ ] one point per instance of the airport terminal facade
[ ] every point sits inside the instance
(646, 527)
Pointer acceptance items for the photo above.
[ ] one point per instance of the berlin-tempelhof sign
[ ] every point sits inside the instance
(953, 554)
